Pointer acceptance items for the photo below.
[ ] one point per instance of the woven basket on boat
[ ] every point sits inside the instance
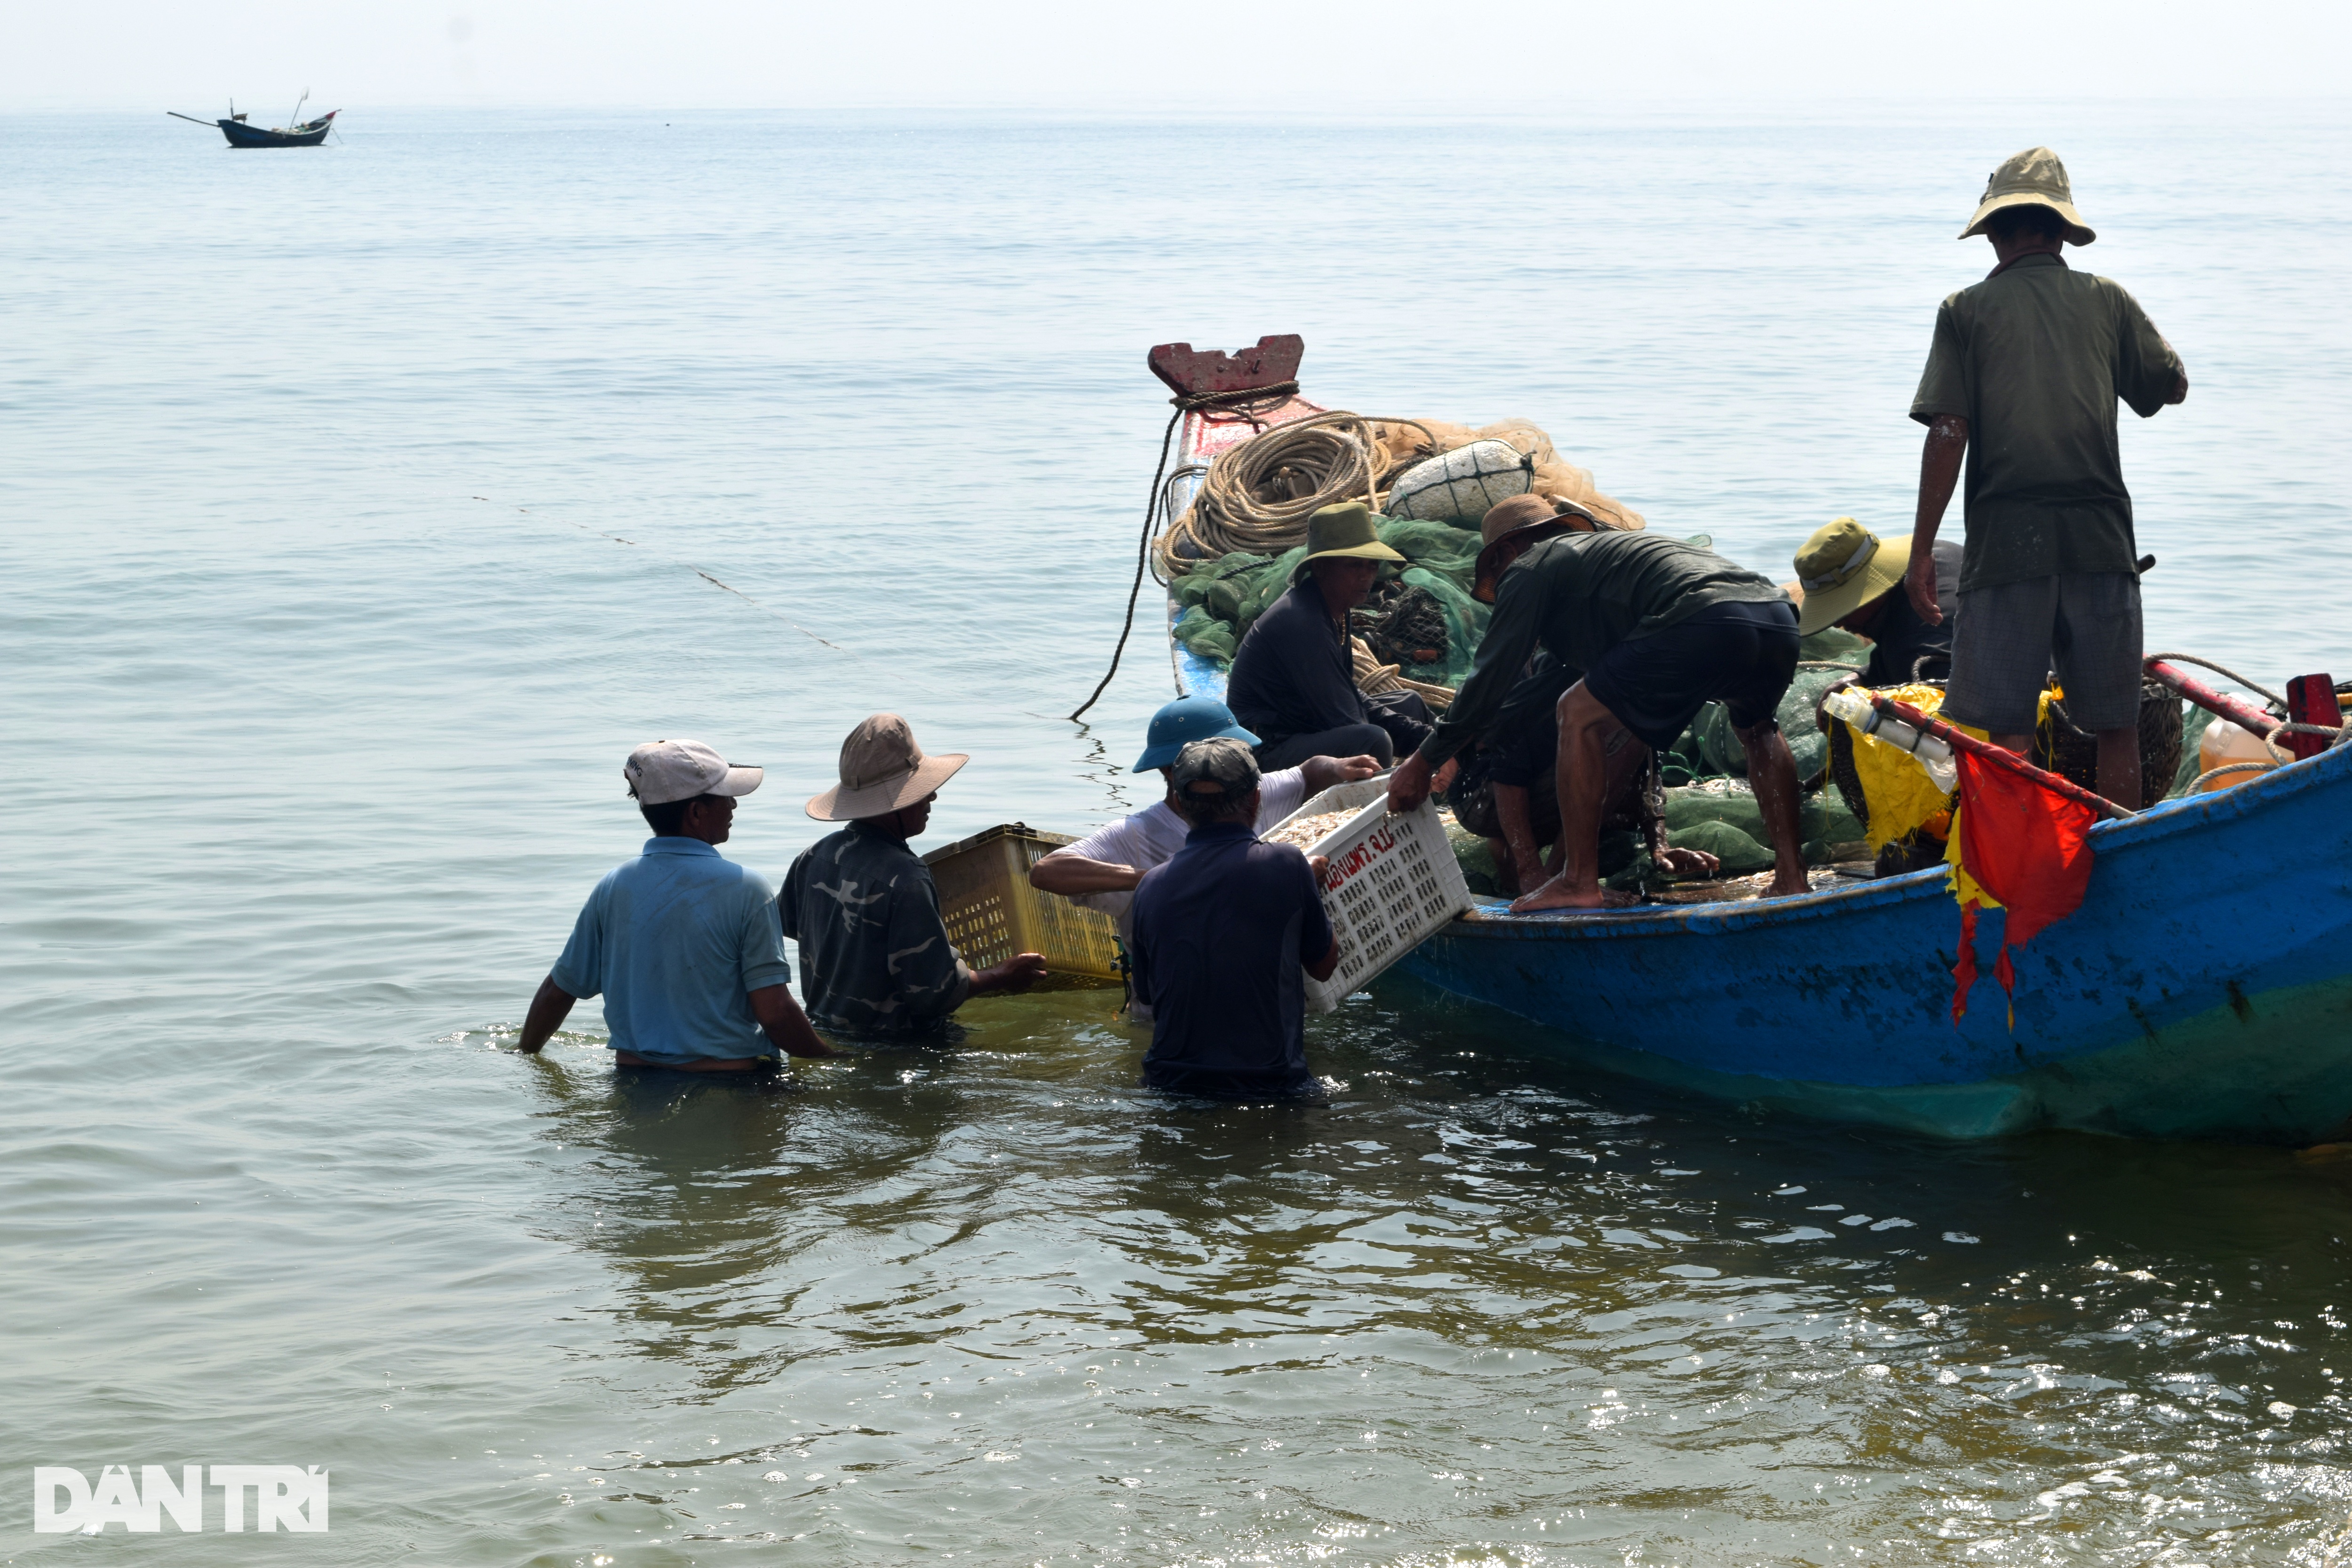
(2073, 754)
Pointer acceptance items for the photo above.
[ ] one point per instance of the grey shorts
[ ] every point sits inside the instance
(2008, 638)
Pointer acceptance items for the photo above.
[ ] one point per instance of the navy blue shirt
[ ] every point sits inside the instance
(1221, 932)
(1293, 674)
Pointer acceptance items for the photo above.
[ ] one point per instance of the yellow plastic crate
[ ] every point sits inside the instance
(993, 912)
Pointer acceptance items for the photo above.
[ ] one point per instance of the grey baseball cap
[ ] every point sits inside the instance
(660, 772)
(1218, 767)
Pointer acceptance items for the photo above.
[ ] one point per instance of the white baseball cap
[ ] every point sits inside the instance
(660, 772)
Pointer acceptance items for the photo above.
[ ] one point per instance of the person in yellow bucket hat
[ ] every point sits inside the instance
(1850, 578)
(2023, 379)
(1294, 677)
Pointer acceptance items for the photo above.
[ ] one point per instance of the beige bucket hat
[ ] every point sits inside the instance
(2032, 178)
(882, 770)
(1842, 567)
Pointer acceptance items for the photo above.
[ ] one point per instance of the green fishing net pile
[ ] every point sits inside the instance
(1222, 599)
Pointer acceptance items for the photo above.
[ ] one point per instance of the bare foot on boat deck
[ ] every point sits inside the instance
(1561, 894)
(1785, 884)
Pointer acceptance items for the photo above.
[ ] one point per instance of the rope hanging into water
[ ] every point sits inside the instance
(1248, 404)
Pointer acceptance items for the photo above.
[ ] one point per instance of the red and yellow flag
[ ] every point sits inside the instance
(2014, 846)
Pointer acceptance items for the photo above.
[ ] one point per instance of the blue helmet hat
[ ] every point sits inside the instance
(1184, 720)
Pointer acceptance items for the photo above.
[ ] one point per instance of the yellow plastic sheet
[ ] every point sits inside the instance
(1895, 784)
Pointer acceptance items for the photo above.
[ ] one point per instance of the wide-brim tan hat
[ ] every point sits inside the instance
(2032, 178)
(1527, 518)
(883, 770)
(1842, 567)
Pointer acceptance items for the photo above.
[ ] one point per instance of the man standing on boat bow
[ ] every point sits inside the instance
(1659, 627)
(2023, 378)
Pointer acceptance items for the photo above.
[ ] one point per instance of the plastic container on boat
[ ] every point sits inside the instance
(1931, 753)
(991, 911)
(2224, 743)
(1391, 883)
(1462, 486)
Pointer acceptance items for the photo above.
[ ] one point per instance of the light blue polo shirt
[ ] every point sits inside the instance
(675, 940)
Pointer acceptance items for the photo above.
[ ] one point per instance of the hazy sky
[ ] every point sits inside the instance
(1377, 56)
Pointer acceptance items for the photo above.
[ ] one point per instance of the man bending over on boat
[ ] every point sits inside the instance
(1100, 871)
(1223, 932)
(1660, 629)
(2023, 377)
(682, 943)
(876, 961)
(1294, 677)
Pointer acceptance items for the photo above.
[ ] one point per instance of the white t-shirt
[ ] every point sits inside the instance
(1152, 836)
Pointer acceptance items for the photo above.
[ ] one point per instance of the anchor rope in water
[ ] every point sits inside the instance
(1247, 404)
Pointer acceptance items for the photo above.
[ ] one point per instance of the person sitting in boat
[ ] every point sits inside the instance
(1101, 870)
(1659, 627)
(1850, 578)
(1294, 680)
(1223, 932)
(682, 943)
(876, 961)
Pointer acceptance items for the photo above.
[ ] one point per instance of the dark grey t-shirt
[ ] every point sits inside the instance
(2035, 358)
(1581, 595)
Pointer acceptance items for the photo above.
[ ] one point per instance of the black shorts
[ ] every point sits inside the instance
(1742, 655)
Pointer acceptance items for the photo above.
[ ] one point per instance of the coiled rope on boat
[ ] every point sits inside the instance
(1256, 497)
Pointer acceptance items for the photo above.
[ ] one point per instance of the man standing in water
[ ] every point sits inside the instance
(2024, 377)
(1223, 932)
(682, 943)
(876, 961)
(1659, 627)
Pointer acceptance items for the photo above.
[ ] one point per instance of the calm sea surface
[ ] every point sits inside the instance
(361, 508)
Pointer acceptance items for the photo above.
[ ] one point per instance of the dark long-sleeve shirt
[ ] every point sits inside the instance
(1293, 674)
(1578, 595)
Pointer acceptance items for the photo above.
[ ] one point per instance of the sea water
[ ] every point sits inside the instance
(360, 509)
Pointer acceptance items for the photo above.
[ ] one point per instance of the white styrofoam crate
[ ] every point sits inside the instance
(1392, 882)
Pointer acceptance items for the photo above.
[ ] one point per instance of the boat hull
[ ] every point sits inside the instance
(242, 135)
(2202, 990)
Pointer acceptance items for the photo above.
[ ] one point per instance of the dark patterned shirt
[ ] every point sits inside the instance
(875, 956)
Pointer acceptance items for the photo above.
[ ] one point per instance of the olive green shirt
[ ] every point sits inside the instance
(2034, 357)
(1581, 595)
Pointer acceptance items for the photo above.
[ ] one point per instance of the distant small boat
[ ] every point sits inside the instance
(302, 133)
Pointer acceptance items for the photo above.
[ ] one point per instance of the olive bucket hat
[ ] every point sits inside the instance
(2032, 178)
(1842, 567)
(1347, 529)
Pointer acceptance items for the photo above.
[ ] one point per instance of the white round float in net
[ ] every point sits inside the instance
(1462, 486)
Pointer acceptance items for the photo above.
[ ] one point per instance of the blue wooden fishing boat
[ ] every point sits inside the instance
(241, 132)
(2203, 989)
